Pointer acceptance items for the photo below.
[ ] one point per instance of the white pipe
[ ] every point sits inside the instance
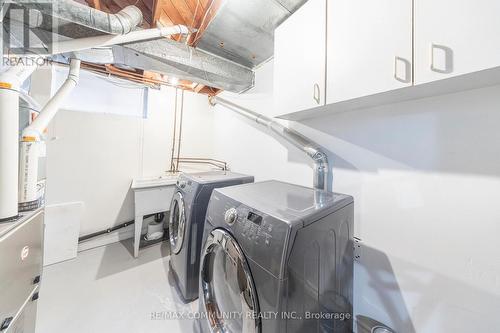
(34, 131)
(10, 82)
(80, 44)
(31, 138)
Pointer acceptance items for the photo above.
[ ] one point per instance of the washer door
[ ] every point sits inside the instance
(177, 223)
(229, 294)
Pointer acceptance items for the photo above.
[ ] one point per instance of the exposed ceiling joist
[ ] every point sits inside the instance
(209, 13)
(241, 31)
(195, 14)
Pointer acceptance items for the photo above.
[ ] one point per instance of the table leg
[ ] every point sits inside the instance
(137, 234)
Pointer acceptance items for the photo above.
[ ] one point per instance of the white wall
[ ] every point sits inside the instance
(94, 91)
(425, 176)
(95, 156)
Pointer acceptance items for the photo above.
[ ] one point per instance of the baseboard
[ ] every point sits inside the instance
(112, 237)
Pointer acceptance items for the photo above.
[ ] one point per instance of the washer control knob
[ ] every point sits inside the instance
(182, 183)
(231, 216)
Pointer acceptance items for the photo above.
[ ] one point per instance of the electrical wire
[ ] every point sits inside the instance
(198, 36)
(194, 18)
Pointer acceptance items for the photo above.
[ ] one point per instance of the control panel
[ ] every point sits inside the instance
(185, 184)
(262, 237)
(252, 225)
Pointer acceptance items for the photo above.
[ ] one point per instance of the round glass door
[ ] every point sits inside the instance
(177, 223)
(229, 294)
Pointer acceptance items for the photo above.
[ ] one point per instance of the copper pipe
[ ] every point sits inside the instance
(195, 160)
(180, 132)
(172, 166)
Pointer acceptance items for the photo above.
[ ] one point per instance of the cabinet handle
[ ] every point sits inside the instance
(447, 62)
(407, 70)
(317, 94)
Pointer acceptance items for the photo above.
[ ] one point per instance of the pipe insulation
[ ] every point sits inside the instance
(31, 144)
(10, 82)
(123, 22)
(312, 149)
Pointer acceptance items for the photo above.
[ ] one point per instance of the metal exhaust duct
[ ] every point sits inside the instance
(312, 149)
(176, 59)
(120, 23)
(163, 56)
(183, 61)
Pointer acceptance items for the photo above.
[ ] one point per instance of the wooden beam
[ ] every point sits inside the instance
(185, 12)
(122, 3)
(172, 12)
(210, 12)
(158, 10)
(149, 4)
(95, 3)
(198, 9)
(110, 6)
(198, 87)
(209, 91)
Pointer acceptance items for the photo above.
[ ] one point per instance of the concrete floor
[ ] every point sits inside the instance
(106, 290)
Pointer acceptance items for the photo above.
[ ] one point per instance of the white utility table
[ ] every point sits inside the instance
(151, 195)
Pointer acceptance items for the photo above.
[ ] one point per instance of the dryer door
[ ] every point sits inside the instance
(229, 294)
(177, 223)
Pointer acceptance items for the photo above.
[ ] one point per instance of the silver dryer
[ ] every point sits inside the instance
(277, 258)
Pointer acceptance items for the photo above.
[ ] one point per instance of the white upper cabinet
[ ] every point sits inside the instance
(300, 59)
(369, 47)
(363, 53)
(454, 37)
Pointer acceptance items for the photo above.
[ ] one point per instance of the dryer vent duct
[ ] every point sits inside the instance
(312, 149)
(69, 11)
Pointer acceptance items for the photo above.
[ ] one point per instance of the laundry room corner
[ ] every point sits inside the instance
(98, 148)
(249, 166)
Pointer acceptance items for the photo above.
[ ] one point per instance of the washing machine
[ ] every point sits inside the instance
(187, 217)
(277, 258)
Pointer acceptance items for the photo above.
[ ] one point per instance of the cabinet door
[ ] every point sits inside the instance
(300, 58)
(369, 47)
(454, 37)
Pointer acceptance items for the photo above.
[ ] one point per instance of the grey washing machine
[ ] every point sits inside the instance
(277, 258)
(187, 217)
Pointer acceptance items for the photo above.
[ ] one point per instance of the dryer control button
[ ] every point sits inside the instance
(231, 216)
